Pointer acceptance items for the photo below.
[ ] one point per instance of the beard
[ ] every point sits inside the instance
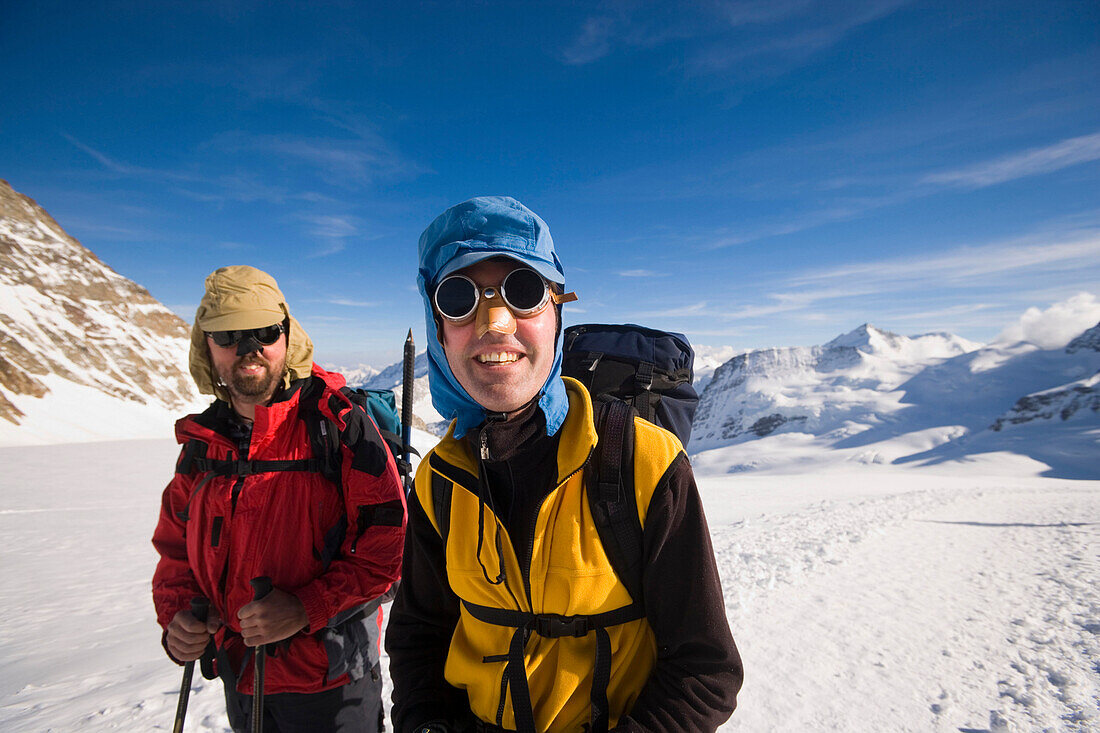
(254, 387)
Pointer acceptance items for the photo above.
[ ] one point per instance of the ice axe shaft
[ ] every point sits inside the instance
(200, 608)
(407, 409)
(261, 586)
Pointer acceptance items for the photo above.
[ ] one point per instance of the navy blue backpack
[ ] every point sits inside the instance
(647, 369)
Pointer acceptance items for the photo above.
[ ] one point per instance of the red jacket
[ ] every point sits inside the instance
(218, 532)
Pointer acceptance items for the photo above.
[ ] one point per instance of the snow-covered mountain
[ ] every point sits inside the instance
(424, 415)
(873, 396)
(357, 375)
(1017, 398)
(840, 388)
(85, 353)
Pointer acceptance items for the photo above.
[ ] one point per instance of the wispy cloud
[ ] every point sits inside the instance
(232, 187)
(1076, 150)
(889, 285)
(350, 303)
(969, 264)
(641, 273)
(592, 42)
(128, 170)
(331, 229)
(87, 229)
(725, 33)
(340, 162)
(784, 34)
(954, 311)
(331, 226)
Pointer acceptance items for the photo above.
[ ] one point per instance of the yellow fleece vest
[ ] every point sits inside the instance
(570, 575)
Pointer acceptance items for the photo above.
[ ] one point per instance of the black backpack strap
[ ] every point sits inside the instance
(611, 496)
(441, 504)
(192, 450)
(324, 437)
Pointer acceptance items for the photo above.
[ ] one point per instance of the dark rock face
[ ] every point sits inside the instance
(65, 313)
(1056, 403)
(771, 423)
(1088, 341)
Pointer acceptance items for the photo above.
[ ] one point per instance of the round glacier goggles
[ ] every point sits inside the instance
(265, 336)
(523, 291)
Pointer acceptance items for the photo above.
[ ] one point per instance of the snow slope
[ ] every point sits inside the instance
(862, 597)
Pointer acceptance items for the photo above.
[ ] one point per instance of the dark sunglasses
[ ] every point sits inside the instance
(524, 291)
(266, 335)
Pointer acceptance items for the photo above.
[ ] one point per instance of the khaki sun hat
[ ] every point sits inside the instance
(239, 297)
(242, 297)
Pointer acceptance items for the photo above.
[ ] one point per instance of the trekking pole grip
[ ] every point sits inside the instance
(261, 586)
(200, 608)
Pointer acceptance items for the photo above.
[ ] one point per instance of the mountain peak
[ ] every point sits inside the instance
(867, 338)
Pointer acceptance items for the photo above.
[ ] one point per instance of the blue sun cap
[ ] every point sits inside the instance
(485, 227)
(463, 235)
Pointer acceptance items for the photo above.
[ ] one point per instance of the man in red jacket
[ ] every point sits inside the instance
(283, 476)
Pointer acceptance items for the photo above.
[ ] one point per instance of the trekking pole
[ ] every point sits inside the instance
(261, 586)
(199, 609)
(407, 409)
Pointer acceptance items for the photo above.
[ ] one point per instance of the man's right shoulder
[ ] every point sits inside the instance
(199, 425)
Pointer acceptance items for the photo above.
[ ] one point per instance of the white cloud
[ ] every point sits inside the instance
(1019, 165)
(1056, 326)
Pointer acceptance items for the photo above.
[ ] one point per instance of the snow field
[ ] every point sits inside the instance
(935, 609)
(862, 598)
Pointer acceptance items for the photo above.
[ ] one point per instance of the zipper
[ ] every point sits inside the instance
(483, 451)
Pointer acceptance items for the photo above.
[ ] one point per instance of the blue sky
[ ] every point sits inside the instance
(763, 173)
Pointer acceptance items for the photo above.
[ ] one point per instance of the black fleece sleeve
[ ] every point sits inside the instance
(422, 621)
(694, 685)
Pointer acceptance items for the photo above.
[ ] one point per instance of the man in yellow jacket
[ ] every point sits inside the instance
(511, 615)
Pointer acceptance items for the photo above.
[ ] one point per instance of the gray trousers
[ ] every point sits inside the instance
(354, 708)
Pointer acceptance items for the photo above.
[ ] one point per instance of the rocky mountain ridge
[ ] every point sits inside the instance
(65, 315)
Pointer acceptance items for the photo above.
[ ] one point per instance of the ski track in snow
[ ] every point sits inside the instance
(926, 602)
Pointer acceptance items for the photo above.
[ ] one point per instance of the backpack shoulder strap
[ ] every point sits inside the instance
(611, 495)
(441, 504)
(324, 436)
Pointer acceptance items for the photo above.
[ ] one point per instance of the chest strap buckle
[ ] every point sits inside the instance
(553, 626)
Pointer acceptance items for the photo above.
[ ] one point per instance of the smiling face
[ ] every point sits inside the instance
(502, 372)
(253, 378)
